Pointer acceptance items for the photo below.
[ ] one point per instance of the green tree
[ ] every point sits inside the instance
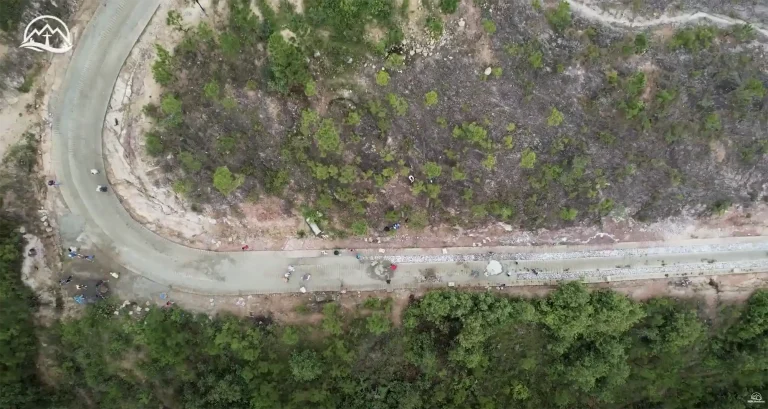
(560, 17)
(286, 63)
(225, 182)
(305, 366)
(528, 159)
(555, 118)
(162, 69)
(327, 138)
(449, 6)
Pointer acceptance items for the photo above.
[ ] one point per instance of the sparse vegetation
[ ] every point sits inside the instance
(576, 122)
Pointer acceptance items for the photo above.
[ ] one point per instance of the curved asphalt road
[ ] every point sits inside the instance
(79, 111)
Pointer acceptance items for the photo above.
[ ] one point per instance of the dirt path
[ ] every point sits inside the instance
(625, 18)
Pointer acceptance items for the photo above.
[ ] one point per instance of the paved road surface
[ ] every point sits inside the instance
(79, 111)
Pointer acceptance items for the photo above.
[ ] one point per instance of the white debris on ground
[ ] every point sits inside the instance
(493, 268)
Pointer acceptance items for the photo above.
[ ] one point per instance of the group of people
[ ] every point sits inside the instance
(99, 188)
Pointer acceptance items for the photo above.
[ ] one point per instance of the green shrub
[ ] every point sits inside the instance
(353, 118)
(641, 43)
(744, 32)
(496, 72)
(394, 60)
(568, 214)
(449, 6)
(489, 26)
(154, 145)
(458, 174)
(225, 182)
(398, 103)
(378, 323)
(560, 17)
(432, 170)
(528, 159)
(720, 207)
(382, 78)
(693, 38)
(360, 228)
(189, 163)
(226, 144)
(212, 90)
(435, 27)
(430, 98)
(489, 162)
(310, 88)
(183, 186)
(473, 133)
(712, 122)
(535, 59)
(230, 45)
(555, 118)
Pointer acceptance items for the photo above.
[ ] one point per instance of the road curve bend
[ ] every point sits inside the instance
(79, 109)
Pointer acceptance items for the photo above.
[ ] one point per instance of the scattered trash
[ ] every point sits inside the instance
(323, 253)
(382, 251)
(65, 281)
(94, 171)
(240, 302)
(81, 287)
(306, 277)
(246, 247)
(291, 269)
(32, 252)
(79, 299)
(451, 284)
(395, 226)
(357, 256)
(115, 275)
(302, 289)
(101, 188)
(313, 226)
(163, 296)
(146, 303)
(53, 183)
(393, 267)
(117, 312)
(411, 178)
(445, 251)
(336, 252)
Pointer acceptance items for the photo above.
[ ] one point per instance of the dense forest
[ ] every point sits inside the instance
(573, 349)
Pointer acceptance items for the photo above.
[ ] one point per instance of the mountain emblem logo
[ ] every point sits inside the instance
(37, 35)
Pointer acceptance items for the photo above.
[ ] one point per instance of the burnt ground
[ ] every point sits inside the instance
(655, 125)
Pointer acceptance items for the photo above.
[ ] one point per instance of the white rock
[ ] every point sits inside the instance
(488, 71)
(462, 23)
(382, 251)
(445, 251)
